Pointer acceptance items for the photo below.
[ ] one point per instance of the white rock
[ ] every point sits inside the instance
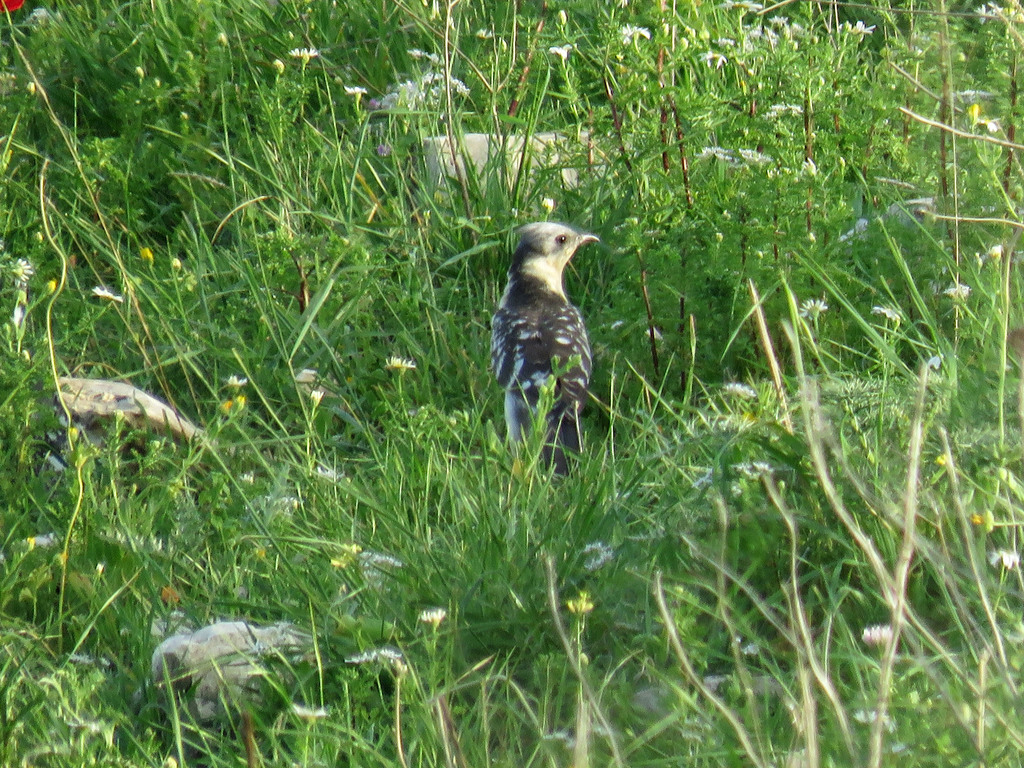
(486, 151)
(221, 662)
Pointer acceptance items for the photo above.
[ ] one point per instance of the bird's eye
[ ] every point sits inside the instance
(561, 239)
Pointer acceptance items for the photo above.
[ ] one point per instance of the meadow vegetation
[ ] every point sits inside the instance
(791, 540)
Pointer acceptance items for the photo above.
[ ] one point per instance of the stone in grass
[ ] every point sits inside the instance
(223, 663)
(93, 404)
(497, 154)
(905, 212)
(93, 400)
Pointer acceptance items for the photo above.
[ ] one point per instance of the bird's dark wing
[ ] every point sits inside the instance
(525, 343)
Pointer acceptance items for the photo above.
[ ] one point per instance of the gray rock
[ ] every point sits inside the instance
(222, 663)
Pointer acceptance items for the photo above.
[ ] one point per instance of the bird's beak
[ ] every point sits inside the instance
(586, 237)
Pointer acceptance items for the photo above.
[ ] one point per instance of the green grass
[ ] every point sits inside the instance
(697, 592)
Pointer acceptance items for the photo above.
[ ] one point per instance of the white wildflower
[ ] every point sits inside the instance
(630, 33)
(76, 723)
(309, 713)
(714, 59)
(809, 168)
(414, 93)
(958, 291)
(459, 87)
(725, 42)
(100, 662)
(386, 653)
(101, 291)
(753, 157)
(417, 54)
(548, 204)
(433, 616)
(40, 16)
(375, 566)
(1008, 558)
(970, 96)
(235, 381)
(561, 51)
(859, 29)
(934, 362)
(869, 716)
(747, 649)
(743, 5)
(404, 94)
(484, 34)
(778, 110)
(762, 33)
(563, 735)
(990, 11)
(378, 560)
(740, 390)
(813, 308)
(43, 541)
(877, 635)
(400, 364)
(18, 316)
(599, 555)
(888, 313)
(355, 90)
(719, 153)
(306, 54)
(329, 474)
(754, 469)
(22, 270)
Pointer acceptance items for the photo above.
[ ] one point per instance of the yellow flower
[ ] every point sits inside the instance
(146, 254)
(582, 605)
(349, 554)
(986, 520)
(974, 112)
(233, 404)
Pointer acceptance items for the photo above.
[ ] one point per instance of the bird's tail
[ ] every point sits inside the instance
(564, 438)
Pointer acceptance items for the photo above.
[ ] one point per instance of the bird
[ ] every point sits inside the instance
(536, 332)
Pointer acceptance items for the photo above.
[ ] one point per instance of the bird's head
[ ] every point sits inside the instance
(544, 249)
